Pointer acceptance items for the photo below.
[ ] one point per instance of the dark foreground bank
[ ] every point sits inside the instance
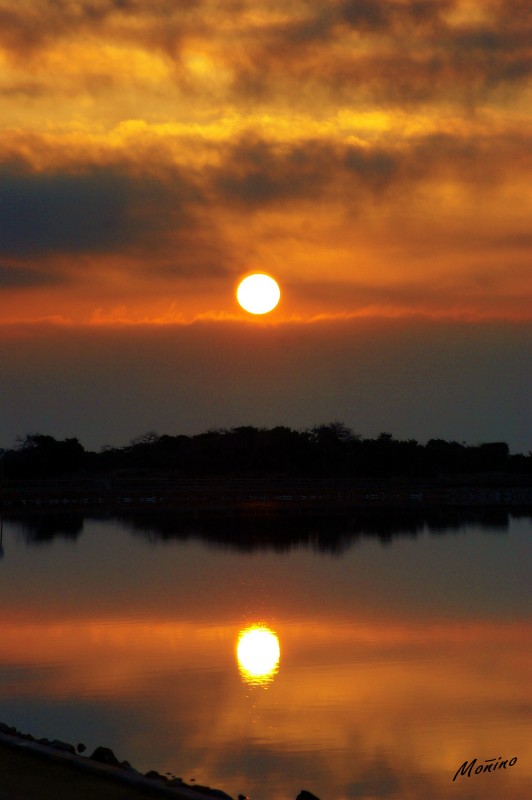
(39, 769)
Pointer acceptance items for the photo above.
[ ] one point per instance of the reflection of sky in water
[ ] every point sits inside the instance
(398, 661)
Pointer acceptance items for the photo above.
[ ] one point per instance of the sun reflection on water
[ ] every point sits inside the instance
(258, 653)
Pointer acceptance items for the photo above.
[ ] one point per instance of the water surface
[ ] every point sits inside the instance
(405, 649)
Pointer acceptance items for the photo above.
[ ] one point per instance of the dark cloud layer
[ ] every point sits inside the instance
(30, 29)
(105, 210)
(413, 53)
(20, 277)
(170, 213)
(261, 173)
(59, 212)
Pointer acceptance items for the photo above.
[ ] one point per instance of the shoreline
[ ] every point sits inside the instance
(264, 497)
(65, 771)
(103, 764)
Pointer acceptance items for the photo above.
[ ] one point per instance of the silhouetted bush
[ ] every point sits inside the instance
(330, 450)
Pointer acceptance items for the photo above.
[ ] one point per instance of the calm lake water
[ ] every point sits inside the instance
(404, 649)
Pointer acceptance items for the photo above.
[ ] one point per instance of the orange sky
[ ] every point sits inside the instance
(373, 156)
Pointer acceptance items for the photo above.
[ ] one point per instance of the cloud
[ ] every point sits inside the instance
(374, 51)
(196, 59)
(257, 172)
(58, 212)
(185, 142)
(107, 210)
(33, 27)
(21, 277)
(409, 52)
(421, 222)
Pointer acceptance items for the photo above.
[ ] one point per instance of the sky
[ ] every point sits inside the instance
(372, 155)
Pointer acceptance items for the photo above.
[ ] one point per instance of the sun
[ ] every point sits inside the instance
(258, 293)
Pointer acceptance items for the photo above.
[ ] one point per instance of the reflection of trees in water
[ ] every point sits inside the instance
(246, 534)
(44, 528)
(334, 534)
(327, 534)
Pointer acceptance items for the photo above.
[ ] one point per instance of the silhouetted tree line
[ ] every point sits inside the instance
(330, 450)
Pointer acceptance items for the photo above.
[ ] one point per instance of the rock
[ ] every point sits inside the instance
(7, 729)
(155, 776)
(212, 792)
(81, 747)
(65, 747)
(304, 795)
(105, 756)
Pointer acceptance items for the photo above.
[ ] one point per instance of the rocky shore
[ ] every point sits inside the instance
(104, 762)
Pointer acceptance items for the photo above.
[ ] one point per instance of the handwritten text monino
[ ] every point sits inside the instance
(489, 765)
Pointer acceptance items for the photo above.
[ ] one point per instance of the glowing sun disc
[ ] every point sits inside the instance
(258, 293)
